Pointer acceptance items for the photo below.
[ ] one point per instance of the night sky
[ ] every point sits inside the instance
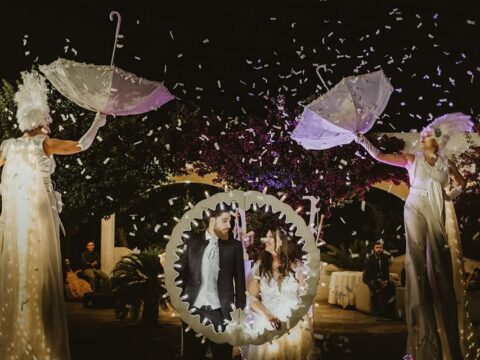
(227, 56)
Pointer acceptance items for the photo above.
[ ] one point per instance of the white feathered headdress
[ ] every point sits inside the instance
(444, 127)
(31, 99)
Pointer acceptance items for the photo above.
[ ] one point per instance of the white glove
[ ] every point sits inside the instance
(58, 198)
(371, 149)
(454, 193)
(87, 139)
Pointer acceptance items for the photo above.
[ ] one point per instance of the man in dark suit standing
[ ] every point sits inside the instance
(213, 279)
(377, 276)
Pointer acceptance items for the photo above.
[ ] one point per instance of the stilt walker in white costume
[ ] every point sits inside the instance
(32, 310)
(438, 324)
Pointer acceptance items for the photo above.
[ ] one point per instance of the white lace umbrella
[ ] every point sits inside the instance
(353, 105)
(106, 88)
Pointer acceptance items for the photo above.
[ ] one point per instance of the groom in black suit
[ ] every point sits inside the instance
(213, 275)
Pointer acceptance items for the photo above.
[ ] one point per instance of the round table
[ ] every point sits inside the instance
(342, 287)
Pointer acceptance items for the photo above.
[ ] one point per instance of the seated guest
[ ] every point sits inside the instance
(90, 260)
(75, 287)
(377, 277)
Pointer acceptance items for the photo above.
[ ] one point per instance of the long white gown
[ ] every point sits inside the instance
(32, 310)
(438, 324)
(280, 299)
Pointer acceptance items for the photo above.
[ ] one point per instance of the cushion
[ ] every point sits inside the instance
(470, 264)
(397, 264)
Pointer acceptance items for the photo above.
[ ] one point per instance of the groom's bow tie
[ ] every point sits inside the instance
(213, 241)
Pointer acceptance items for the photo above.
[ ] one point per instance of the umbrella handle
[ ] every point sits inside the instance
(320, 76)
(117, 31)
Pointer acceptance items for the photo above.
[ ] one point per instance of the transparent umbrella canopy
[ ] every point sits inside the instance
(106, 88)
(353, 105)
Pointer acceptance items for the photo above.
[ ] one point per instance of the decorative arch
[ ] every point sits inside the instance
(401, 191)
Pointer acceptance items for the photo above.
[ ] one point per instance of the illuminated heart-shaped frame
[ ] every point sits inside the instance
(237, 331)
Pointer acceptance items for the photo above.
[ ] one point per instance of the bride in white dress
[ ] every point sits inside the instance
(32, 310)
(274, 289)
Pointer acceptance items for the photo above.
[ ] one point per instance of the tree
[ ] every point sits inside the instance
(138, 153)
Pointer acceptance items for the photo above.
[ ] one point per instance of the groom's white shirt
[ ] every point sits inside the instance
(208, 293)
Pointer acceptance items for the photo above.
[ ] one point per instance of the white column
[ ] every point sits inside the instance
(108, 244)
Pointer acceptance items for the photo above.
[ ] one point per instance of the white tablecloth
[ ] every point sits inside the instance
(342, 287)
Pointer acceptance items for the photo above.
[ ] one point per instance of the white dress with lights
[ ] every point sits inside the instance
(280, 300)
(32, 310)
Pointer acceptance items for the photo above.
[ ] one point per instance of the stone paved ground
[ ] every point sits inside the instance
(340, 335)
